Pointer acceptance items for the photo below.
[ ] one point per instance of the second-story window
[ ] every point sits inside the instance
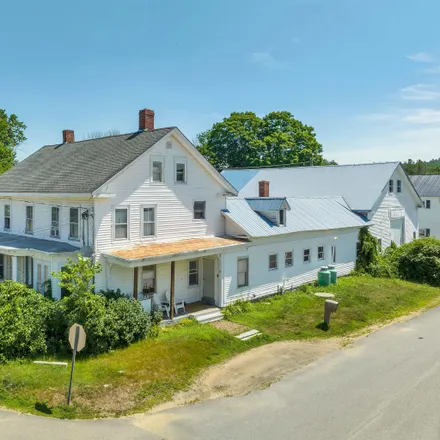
(149, 227)
(399, 186)
(391, 186)
(121, 223)
(74, 224)
(29, 228)
(199, 210)
(55, 222)
(181, 172)
(157, 171)
(427, 204)
(7, 217)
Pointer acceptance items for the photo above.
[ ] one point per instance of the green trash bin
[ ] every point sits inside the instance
(324, 276)
(333, 274)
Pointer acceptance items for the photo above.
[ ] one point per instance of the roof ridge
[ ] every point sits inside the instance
(292, 166)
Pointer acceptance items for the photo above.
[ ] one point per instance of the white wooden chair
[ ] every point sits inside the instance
(162, 307)
(178, 304)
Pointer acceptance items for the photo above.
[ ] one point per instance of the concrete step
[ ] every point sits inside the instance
(210, 316)
(248, 335)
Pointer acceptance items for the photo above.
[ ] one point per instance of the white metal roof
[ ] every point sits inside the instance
(306, 214)
(360, 185)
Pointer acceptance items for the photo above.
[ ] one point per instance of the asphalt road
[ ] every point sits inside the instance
(383, 387)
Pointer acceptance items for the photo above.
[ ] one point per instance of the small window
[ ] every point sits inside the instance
(157, 171)
(379, 241)
(121, 223)
(180, 172)
(333, 254)
(391, 186)
(283, 217)
(414, 235)
(199, 210)
(425, 232)
(193, 272)
(74, 224)
(273, 262)
(399, 186)
(288, 259)
(55, 222)
(29, 229)
(307, 256)
(149, 228)
(428, 204)
(320, 252)
(7, 217)
(243, 272)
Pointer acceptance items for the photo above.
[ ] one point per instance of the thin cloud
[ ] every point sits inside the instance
(267, 60)
(422, 116)
(422, 57)
(420, 92)
(434, 70)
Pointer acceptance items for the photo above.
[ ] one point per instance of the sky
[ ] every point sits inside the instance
(365, 74)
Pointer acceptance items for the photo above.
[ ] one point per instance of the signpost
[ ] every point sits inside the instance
(77, 341)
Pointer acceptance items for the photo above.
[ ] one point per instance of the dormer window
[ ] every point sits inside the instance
(282, 217)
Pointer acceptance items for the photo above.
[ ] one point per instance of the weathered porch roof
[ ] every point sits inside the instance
(18, 244)
(180, 249)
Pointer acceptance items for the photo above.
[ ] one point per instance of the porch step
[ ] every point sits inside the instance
(210, 316)
(248, 335)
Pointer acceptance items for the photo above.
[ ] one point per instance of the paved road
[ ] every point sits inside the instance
(384, 387)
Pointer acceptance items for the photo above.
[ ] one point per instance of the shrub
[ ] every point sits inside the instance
(23, 317)
(237, 308)
(113, 294)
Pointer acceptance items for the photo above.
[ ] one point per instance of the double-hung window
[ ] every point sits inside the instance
(181, 171)
(243, 272)
(288, 259)
(282, 217)
(149, 222)
(320, 252)
(121, 223)
(157, 171)
(399, 186)
(7, 217)
(193, 272)
(74, 224)
(427, 204)
(273, 262)
(307, 256)
(55, 222)
(29, 228)
(391, 186)
(199, 210)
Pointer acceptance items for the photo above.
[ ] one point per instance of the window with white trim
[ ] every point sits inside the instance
(199, 210)
(283, 217)
(427, 204)
(273, 262)
(7, 226)
(29, 228)
(55, 222)
(243, 272)
(307, 256)
(399, 186)
(193, 272)
(391, 186)
(320, 252)
(148, 221)
(157, 171)
(121, 223)
(74, 224)
(288, 259)
(180, 171)
(426, 232)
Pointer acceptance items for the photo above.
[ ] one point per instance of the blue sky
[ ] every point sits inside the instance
(365, 74)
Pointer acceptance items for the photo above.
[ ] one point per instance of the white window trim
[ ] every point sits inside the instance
(268, 262)
(391, 186)
(248, 272)
(194, 286)
(127, 207)
(204, 213)
(183, 161)
(10, 216)
(398, 186)
(310, 255)
(33, 218)
(323, 252)
(157, 159)
(148, 237)
(293, 259)
(58, 237)
(79, 224)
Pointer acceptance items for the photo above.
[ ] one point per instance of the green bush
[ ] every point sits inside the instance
(237, 308)
(113, 294)
(23, 318)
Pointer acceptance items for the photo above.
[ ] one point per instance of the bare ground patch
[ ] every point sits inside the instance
(231, 327)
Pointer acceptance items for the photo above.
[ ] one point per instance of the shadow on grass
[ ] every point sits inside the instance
(323, 326)
(43, 408)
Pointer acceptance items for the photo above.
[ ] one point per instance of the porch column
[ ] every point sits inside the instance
(14, 260)
(135, 282)
(173, 271)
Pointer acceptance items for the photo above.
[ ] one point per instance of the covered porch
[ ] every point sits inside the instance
(185, 271)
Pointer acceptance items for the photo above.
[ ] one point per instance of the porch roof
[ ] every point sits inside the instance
(18, 243)
(180, 249)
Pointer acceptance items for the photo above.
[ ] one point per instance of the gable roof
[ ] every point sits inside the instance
(78, 167)
(306, 214)
(427, 185)
(265, 204)
(360, 185)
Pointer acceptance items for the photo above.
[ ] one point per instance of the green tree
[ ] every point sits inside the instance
(246, 140)
(11, 135)
(77, 277)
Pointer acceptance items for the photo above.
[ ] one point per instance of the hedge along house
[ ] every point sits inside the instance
(379, 192)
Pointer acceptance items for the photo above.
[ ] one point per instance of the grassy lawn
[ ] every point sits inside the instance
(150, 372)
(363, 301)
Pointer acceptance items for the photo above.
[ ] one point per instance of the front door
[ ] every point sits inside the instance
(209, 281)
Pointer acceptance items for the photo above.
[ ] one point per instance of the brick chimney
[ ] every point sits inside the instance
(263, 188)
(68, 136)
(146, 119)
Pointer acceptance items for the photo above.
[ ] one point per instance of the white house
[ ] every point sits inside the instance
(159, 217)
(380, 192)
(428, 187)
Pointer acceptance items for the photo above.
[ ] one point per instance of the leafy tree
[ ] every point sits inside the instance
(246, 140)
(422, 167)
(77, 277)
(11, 135)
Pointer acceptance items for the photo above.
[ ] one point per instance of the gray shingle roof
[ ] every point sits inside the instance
(78, 167)
(20, 242)
(306, 214)
(427, 185)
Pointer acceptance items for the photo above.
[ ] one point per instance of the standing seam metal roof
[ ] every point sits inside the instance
(267, 203)
(427, 185)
